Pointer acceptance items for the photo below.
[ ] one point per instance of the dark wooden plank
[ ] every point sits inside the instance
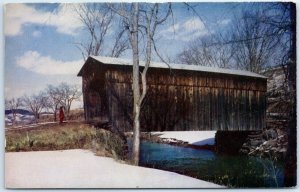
(208, 101)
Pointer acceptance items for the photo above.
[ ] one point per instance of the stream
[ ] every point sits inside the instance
(231, 171)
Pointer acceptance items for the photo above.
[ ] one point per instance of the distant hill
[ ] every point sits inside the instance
(20, 111)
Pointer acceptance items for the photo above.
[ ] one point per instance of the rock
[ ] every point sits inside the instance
(252, 153)
(264, 143)
(244, 151)
(283, 150)
(270, 143)
(274, 149)
(255, 142)
(261, 149)
(270, 134)
(280, 132)
(281, 136)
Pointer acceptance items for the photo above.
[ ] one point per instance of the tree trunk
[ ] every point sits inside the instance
(14, 113)
(136, 87)
(290, 172)
(54, 115)
(136, 135)
(36, 115)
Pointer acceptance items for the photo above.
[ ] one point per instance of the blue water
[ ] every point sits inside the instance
(231, 171)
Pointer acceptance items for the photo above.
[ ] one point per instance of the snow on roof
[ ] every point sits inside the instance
(121, 61)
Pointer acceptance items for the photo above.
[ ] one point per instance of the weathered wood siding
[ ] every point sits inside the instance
(178, 100)
(94, 98)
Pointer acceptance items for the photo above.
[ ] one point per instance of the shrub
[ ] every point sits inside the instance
(68, 136)
(111, 142)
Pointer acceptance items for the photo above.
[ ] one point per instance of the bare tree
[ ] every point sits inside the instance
(54, 99)
(284, 29)
(98, 20)
(280, 18)
(138, 19)
(207, 51)
(253, 42)
(120, 45)
(12, 105)
(35, 103)
(68, 94)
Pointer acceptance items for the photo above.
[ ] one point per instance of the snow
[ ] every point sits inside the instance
(121, 61)
(82, 169)
(192, 137)
(7, 120)
(20, 119)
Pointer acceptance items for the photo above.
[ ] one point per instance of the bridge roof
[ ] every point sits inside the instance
(128, 62)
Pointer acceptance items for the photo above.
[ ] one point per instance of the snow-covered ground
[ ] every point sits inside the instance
(19, 119)
(192, 137)
(82, 169)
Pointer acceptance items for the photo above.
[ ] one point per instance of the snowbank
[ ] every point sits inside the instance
(82, 169)
(192, 137)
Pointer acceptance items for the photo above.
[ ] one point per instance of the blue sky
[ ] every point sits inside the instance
(40, 50)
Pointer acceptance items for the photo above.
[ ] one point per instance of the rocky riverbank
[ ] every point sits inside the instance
(270, 143)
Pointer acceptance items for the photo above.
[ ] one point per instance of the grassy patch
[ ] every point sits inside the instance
(67, 136)
(240, 171)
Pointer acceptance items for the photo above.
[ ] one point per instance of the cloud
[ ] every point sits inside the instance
(185, 30)
(64, 19)
(45, 65)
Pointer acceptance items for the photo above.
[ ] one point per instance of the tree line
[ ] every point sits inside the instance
(47, 100)
(257, 38)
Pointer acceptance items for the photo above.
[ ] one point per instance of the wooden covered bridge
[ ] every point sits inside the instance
(179, 97)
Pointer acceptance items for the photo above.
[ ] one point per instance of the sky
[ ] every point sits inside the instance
(40, 41)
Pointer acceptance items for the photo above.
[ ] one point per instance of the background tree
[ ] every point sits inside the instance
(13, 105)
(253, 42)
(68, 94)
(280, 17)
(35, 103)
(207, 51)
(284, 25)
(98, 20)
(54, 99)
(249, 43)
(120, 45)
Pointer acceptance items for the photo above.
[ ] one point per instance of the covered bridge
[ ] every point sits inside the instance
(179, 97)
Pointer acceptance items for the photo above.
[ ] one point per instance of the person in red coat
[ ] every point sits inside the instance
(61, 115)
